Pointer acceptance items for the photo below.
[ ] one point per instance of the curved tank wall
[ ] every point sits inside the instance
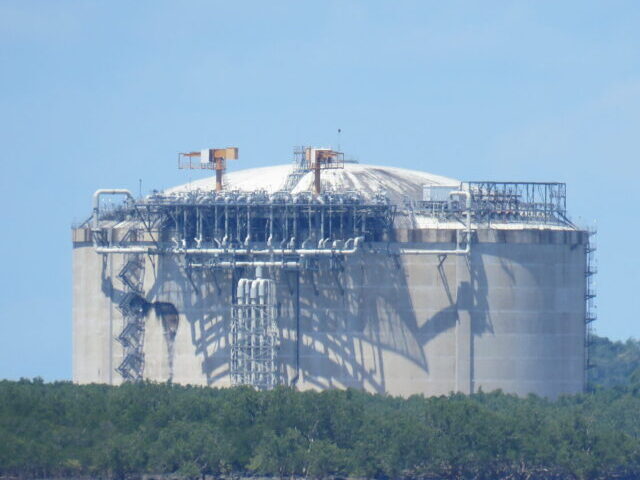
(510, 316)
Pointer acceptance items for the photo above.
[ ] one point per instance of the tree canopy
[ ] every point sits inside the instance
(61, 429)
(613, 362)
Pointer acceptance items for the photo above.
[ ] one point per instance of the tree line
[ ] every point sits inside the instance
(613, 362)
(66, 430)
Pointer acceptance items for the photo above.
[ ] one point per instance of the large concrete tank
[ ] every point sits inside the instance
(359, 295)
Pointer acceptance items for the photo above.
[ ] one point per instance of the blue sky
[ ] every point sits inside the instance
(101, 94)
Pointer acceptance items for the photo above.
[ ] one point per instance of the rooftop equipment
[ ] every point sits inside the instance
(322, 159)
(210, 159)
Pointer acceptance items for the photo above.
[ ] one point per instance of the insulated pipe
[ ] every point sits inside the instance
(249, 263)
(241, 314)
(253, 325)
(184, 228)
(357, 244)
(262, 291)
(296, 377)
(198, 238)
(322, 223)
(96, 201)
(270, 239)
(225, 239)
(247, 240)
(285, 231)
(240, 291)
(253, 291)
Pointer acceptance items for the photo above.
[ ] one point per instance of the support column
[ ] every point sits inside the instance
(464, 331)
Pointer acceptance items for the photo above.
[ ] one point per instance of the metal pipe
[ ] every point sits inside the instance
(357, 244)
(456, 251)
(296, 378)
(96, 201)
(247, 239)
(248, 263)
(348, 250)
(321, 222)
(217, 251)
(215, 224)
(270, 239)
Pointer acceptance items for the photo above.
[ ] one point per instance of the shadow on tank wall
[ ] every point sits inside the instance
(166, 313)
(374, 310)
(347, 319)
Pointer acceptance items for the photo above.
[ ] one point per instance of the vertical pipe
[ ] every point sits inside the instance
(215, 223)
(198, 226)
(355, 221)
(252, 328)
(270, 240)
(226, 222)
(218, 176)
(295, 380)
(285, 233)
(330, 217)
(248, 341)
(247, 239)
(237, 333)
(269, 324)
(184, 226)
(316, 177)
(261, 328)
(295, 225)
(238, 224)
(322, 222)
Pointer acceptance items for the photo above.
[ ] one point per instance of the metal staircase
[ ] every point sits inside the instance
(133, 307)
(590, 315)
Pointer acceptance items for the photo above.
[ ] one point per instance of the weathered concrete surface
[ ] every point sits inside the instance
(510, 317)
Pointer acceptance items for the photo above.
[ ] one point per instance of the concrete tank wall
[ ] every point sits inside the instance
(511, 316)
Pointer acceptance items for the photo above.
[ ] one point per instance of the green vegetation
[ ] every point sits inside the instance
(614, 363)
(61, 429)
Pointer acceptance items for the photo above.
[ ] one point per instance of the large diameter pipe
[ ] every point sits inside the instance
(248, 263)
(240, 291)
(357, 244)
(106, 191)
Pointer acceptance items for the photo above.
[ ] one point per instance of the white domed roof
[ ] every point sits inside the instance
(365, 179)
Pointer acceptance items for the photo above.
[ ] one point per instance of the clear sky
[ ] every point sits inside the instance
(101, 94)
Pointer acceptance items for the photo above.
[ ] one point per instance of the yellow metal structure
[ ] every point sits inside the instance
(322, 159)
(210, 159)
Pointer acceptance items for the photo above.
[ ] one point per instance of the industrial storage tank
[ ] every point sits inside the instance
(335, 275)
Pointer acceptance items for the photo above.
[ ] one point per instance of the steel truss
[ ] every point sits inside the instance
(232, 230)
(257, 220)
(528, 202)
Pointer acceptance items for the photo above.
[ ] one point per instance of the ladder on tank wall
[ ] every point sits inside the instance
(590, 310)
(133, 307)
